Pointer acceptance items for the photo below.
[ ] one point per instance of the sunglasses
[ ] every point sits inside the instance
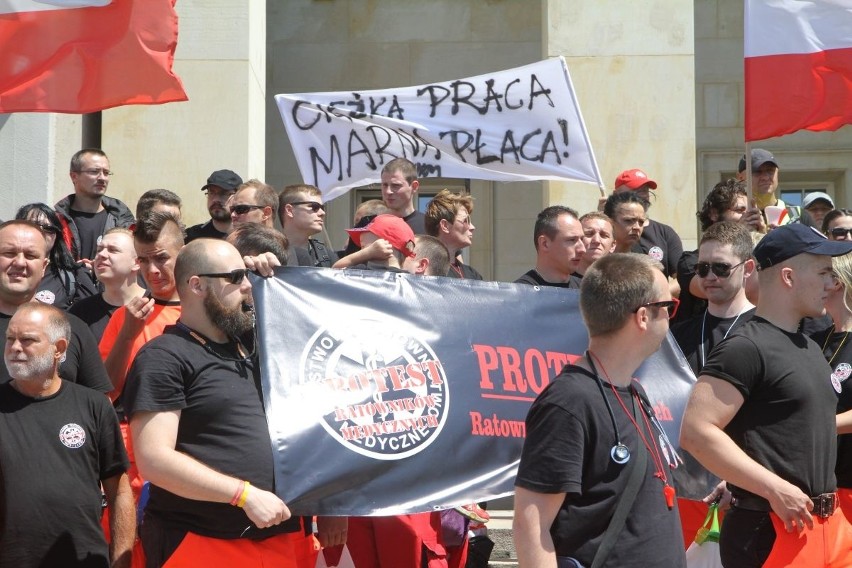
(312, 205)
(720, 269)
(669, 305)
(48, 229)
(840, 232)
(243, 209)
(234, 277)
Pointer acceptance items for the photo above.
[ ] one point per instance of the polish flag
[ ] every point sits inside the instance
(80, 56)
(798, 66)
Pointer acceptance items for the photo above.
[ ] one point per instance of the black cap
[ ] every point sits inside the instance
(759, 157)
(226, 179)
(794, 239)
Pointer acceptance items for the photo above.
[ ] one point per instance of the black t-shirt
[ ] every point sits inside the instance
(462, 270)
(837, 349)
(222, 425)
(82, 363)
(315, 254)
(689, 305)
(567, 450)
(417, 221)
(95, 312)
(533, 278)
(90, 227)
(786, 422)
(662, 243)
(63, 288)
(689, 333)
(204, 231)
(54, 451)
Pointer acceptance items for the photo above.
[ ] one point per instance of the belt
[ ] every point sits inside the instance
(824, 505)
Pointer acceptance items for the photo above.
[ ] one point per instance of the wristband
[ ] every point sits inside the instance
(244, 495)
(237, 494)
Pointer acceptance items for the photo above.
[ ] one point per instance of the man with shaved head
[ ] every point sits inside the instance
(59, 444)
(200, 432)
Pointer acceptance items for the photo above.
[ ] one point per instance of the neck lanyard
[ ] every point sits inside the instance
(702, 358)
(205, 343)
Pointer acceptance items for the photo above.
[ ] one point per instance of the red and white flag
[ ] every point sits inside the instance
(80, 56)
(798, 66)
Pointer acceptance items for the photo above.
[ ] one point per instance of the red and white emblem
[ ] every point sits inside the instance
(656, 253)
(72, 435)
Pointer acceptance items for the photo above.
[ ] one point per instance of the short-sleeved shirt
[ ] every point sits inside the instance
(787, 420)
(95, 312)
(81, 364)
(90, 227)
(204, 231)
(837, 348)
(417, 221)
(698, 335)
(54, 451)
(533, 278)
(315, 254)
(662, 243)
(222, 425)
(567, 450)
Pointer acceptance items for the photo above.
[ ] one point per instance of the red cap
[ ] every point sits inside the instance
(390, 228)
(634, 179)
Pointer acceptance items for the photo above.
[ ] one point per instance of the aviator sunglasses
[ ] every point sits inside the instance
(312, 205)
(720, 269)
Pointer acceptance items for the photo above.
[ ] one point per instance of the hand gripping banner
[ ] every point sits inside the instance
(388, 393)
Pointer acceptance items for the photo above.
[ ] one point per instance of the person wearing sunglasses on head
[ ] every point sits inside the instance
(762, 415)
(65, 280)
(302, 214)
(88, 212)
(254, 202)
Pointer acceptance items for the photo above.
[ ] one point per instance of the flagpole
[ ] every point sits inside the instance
(748, 173)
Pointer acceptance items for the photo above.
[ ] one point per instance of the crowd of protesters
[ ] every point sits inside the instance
(177, 470)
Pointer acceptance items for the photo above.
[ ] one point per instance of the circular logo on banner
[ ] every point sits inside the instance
(656, 253)
(389, 389)
(72, 435)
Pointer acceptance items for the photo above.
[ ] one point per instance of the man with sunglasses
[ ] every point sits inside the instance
(219, 188)
(762, 415)
(88, 212)
(302, 215)
(200, 431)
(724, 264)
(254, 202)
(590, 442)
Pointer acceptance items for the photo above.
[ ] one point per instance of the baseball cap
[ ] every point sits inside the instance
(794, 239)
(759, 156)
(634, 179)
(390, 228)
(816, 196)
(226, 179)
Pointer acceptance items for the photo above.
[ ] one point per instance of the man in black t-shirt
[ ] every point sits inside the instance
(88, 212)
(399, 192)
(302, 214)
(724, 264)
(199, 429)
(220, 186)
(22, 265)
(592, 427)
(558, 240)
(762, 415)
(59, 443)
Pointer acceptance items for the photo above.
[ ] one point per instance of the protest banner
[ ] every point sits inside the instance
(388, 393)
(514, 125)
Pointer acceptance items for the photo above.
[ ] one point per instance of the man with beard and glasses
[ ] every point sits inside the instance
(59, 443)
(220, 187)
(198, 424)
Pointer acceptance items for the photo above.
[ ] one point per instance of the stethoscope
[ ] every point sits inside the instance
(619, 452)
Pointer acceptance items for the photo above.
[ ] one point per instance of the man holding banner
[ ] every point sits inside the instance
(601, 486)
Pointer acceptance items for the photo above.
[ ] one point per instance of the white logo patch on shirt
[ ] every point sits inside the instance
(45, 297)
(72, 435)
(656, 253)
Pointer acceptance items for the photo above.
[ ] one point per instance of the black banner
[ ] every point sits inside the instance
(388, 393)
